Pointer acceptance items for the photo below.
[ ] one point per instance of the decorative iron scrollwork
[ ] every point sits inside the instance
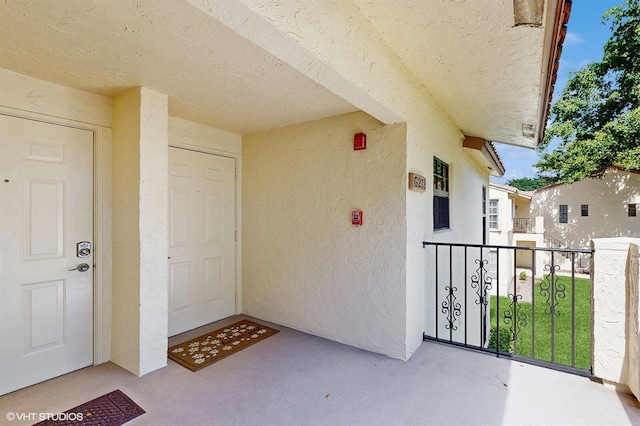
(481, 282)
(451, 308)
(552, 290)
(515, 317)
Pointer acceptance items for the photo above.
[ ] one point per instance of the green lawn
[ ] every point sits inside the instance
(562, 324)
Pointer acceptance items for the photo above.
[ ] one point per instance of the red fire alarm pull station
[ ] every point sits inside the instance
(359, 141)
(356, 217)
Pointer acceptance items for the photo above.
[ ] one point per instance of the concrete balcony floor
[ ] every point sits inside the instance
(294, 378)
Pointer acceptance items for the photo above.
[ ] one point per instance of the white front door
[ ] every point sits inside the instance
(46, 207)
(201, 239)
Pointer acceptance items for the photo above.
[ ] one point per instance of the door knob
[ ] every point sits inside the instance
(83, 267)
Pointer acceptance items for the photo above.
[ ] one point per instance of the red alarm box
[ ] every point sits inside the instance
(356, 217)
(359, 141)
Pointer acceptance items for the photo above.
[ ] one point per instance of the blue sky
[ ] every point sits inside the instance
(586, 36)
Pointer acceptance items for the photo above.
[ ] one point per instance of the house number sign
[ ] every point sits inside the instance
(417, 183)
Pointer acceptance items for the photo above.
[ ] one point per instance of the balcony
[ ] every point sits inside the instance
(528, 225)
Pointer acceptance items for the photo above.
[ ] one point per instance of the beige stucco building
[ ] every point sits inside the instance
(276, 91)
(600, 207)
(571, 215)
(564, 216)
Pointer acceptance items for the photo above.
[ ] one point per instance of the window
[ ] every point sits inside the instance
(484, 215)
(440, 194)
(493, 214)
(632, 210)
(584, 210)
(564, 213)
(484, 201)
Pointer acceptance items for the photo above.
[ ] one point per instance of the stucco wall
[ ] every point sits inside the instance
(305, 265)
(368, 73)
(140, 188)
(615, 310)
(633, 317)
(431, 133)
(126, 233)
(522, 207)
(607, 199)
(189, 134)
(502, 235)
(502, 272)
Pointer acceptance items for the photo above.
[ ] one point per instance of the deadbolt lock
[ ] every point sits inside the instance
(83, 249)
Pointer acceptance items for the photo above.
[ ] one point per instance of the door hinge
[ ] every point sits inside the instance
(236, 172)
(236, 237)
(236, 298)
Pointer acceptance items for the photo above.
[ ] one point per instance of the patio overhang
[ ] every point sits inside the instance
(490, 65)
(253, 66)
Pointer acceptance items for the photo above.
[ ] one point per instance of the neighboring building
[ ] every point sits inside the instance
(508, 216)
(600, 207)
(510, 224)
(205, 151)
(564, 215)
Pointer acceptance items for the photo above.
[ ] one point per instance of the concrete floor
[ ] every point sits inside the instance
(294, 378)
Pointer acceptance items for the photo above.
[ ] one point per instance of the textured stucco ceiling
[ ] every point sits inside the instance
(211, 74)
(485, 72)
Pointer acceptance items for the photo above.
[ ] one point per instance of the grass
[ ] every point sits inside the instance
(540, 347)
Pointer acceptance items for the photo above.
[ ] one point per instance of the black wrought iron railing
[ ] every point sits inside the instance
(525, 225)
(528, 303)
(552, 241)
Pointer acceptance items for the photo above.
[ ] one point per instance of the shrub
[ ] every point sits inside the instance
(505, 340)
(523, 275)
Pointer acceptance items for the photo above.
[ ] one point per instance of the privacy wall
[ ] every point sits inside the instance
(305, 265)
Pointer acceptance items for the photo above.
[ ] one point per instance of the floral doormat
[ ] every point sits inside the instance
(211, 347)
(112, 409)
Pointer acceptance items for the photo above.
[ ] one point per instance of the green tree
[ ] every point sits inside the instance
(597, 117)
(527, 184)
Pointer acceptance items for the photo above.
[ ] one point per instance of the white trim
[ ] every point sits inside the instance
(497, 214)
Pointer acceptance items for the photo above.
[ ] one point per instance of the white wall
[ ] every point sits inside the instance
(305, 265)
(607, 199)
(503, 234)
(367, 72)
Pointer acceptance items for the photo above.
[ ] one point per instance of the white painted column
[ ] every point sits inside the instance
(615, 311)
(140, 160)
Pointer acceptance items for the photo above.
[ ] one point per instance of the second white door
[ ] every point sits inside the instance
(201, 239)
